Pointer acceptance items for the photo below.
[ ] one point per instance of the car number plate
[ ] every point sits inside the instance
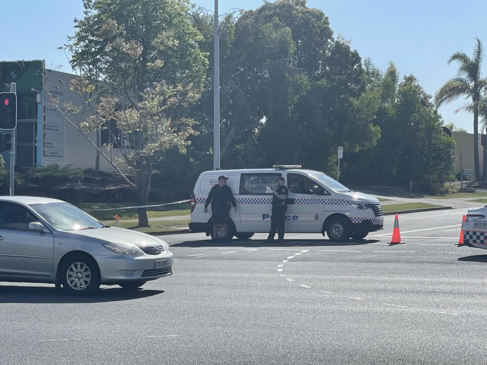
(160, 264)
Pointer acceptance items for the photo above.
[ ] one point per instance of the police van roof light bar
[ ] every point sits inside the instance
(285, 167)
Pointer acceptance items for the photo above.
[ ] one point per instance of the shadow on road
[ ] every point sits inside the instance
(45, 294)
(475, 258)
(263, 243)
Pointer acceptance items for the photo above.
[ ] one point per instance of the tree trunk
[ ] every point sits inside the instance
(97, 158)
(143, 179)
(476, 141)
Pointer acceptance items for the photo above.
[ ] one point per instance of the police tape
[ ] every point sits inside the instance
(141, 206)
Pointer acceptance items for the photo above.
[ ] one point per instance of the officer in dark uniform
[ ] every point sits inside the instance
(220, 197)
(278, 211)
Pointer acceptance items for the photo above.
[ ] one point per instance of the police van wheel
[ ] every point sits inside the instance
(338, 229)
(244, 236)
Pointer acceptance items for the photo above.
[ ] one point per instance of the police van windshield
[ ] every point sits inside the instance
(330, 183)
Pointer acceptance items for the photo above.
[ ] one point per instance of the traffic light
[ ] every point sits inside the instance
(8, 111)
(5, 142)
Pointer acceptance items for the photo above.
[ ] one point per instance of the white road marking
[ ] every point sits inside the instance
(428, 238)
(197, 255)
(280, 265)
(290, 257)
(356, 298)
(305, 251)
(391, 251)
(227, 252)
(332, 250)
(290, 280)
(285, 261)
(297, 254)
(279, 270)
(305, 286)
(55, 340)
(420, 230)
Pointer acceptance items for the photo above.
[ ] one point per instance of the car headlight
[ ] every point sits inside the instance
(359, 205)
(123, 249)
(474, 217)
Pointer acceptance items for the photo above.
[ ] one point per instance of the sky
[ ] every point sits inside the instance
(418, 36)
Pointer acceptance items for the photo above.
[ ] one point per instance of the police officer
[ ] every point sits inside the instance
(220, 197)
(278, 211)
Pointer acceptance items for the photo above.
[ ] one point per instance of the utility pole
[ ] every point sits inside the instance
(13, 89)
(216, 91)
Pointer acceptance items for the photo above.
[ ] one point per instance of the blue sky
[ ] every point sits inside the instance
(418, 36)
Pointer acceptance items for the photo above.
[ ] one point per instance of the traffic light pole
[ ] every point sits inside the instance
(13, 89)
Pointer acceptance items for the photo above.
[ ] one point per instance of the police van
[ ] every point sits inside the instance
(316, 204)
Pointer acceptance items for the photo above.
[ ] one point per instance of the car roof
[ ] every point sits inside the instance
(264, 170)
(27, 200)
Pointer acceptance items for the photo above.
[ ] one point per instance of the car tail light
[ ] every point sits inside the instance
(193, 203)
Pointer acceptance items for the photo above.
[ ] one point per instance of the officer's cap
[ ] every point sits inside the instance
(222, 177)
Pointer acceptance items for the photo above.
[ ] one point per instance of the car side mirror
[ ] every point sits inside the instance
(38, 227)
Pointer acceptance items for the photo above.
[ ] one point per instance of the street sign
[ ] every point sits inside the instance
(340, 152)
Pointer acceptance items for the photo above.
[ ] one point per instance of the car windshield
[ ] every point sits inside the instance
(330, 182)
(66, 217)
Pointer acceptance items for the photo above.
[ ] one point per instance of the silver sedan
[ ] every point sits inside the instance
(51, 241)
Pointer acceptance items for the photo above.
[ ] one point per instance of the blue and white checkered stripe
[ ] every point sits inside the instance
(318, 201)
(263, 200)
(475, 237)
(358, 220)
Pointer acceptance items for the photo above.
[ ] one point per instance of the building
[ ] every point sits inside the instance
(44, 135)
(464, 151)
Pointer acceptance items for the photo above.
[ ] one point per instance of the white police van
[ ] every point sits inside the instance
(316, 203)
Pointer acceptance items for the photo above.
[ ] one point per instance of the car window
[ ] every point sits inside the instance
(258, 184)
(300, 184)
(15, 216)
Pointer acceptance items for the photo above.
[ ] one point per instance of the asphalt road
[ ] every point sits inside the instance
(306, 301)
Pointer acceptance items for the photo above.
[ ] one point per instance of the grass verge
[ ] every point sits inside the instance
(91, 208)
(397, 208)
(458, 195)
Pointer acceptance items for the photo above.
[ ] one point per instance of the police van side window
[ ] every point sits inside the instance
(258, 184)
(300, 184)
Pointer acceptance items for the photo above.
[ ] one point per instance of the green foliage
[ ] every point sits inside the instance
(469, 84)
(142, 68)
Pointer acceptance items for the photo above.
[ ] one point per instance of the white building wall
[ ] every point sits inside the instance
(61, 143)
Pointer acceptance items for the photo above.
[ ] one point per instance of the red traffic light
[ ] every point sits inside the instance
(8, 111)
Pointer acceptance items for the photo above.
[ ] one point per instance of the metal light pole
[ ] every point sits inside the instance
(13, 149)
(216, 90)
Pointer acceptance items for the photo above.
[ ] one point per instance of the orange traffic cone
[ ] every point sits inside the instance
(396, 235)
(460, 240)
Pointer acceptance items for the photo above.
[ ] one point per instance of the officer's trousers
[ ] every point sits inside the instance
(277, 224)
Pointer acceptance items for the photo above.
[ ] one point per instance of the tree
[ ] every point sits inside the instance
(468, 83)
(141, 67)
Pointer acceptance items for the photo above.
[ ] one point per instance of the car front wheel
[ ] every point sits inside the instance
(338, 229)
(80, 275)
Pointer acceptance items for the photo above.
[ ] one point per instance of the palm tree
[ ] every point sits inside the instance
(469, 84)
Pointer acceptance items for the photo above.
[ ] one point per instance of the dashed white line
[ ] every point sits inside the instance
(391, 251)
(55, 340)
(305, 286)
(280, 265)
(304, 251)
(356, 298)
(332, 250)
(290, 280)
(227, 252)
(420, 230)
(290, 257)
(285, 261)
(297, 254)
